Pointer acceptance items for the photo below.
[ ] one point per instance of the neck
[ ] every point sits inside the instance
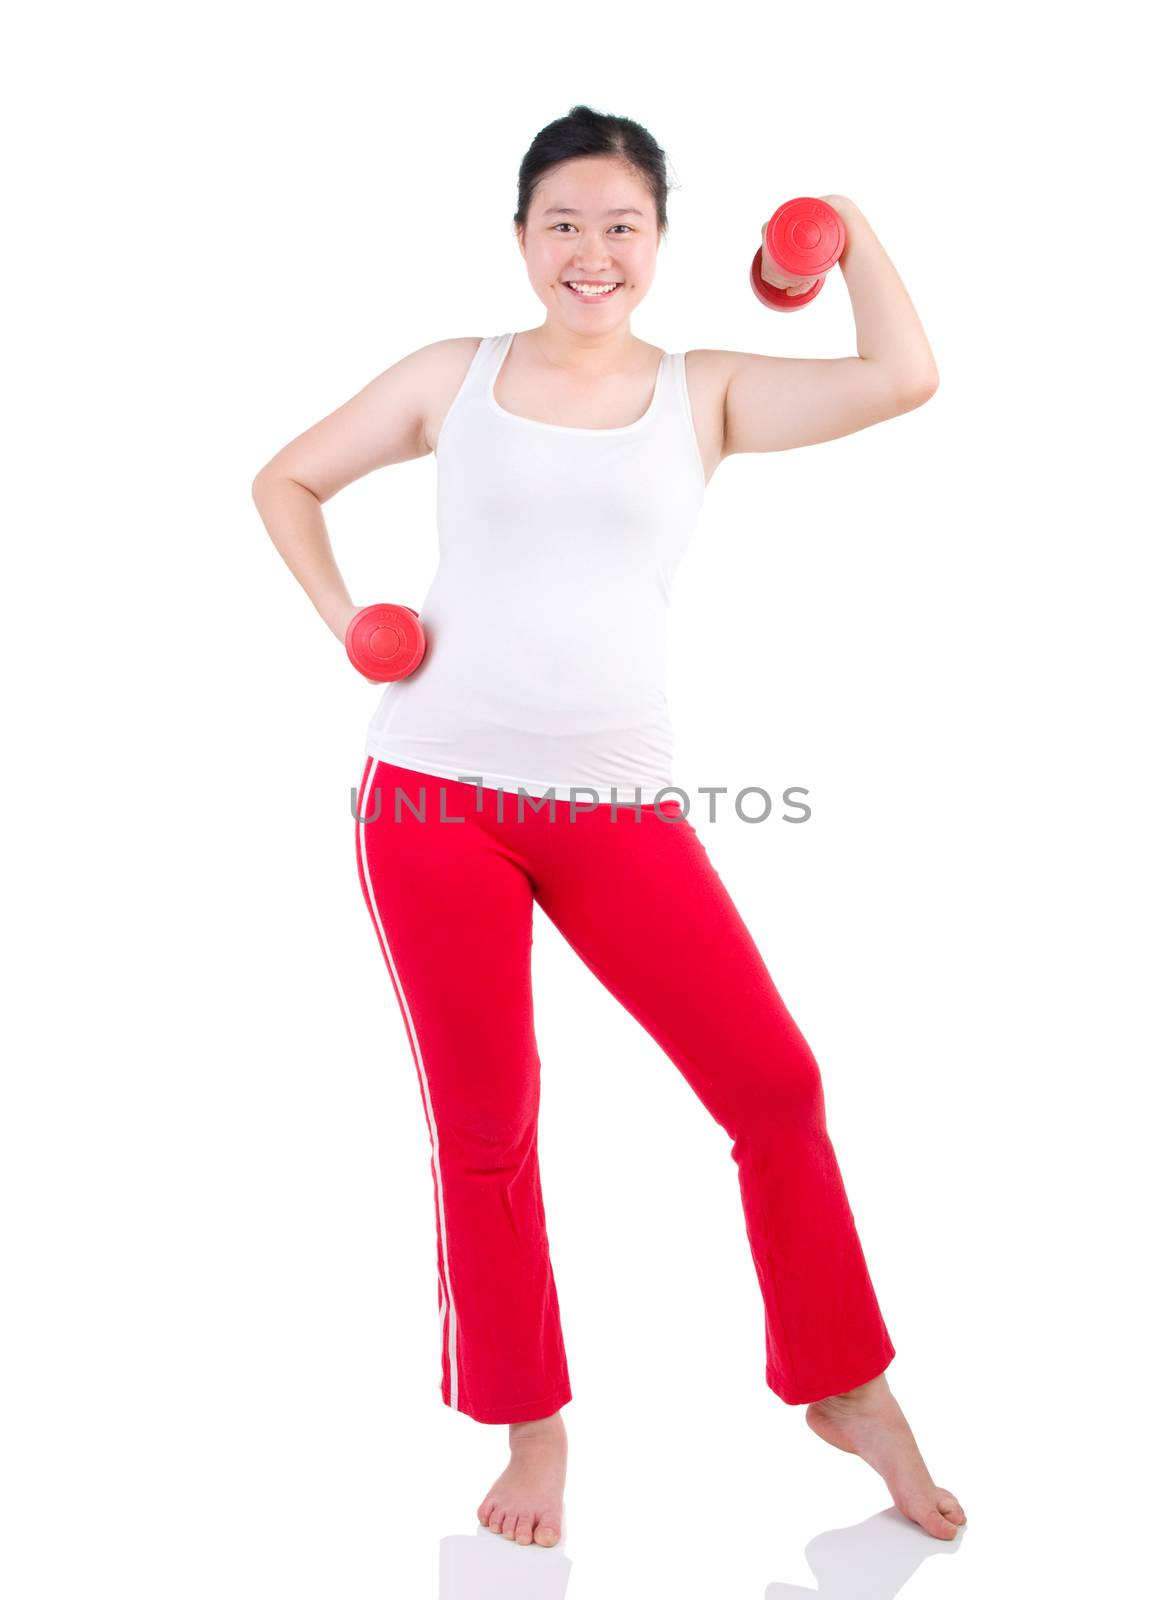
(559, 345)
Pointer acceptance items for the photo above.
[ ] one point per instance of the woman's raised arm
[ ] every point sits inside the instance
(779, 402)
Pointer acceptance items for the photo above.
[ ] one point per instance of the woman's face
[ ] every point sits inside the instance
(592, 219)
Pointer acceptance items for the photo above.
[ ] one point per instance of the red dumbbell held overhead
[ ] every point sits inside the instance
(385, 642)
(803, 239)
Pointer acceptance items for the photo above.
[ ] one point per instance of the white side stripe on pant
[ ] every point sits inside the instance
(444, 1290)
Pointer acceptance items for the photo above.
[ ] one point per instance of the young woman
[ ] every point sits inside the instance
(525, 762)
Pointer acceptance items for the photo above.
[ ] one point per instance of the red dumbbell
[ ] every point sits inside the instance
(385, 642)
(805, 238)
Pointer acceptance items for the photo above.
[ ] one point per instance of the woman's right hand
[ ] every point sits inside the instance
(339, 626)
(339, 620)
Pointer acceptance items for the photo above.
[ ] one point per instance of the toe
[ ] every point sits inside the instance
(546, 1533)
(936, 1524)
(524, 1530)
(951, 1510)
(484, 1512)
(509, 1526)
(496, 1517)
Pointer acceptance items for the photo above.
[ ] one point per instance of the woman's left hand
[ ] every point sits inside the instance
(772, 273)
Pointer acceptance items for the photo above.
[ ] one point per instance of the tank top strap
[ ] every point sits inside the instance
(470, 401)
(483, 367)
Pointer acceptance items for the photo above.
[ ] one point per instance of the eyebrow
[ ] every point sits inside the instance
(618, 211)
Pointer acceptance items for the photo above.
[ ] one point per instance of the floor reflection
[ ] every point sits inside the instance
(870, 1561)
(486, 1566)
(873, 1560)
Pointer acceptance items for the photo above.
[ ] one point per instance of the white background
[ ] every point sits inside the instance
(220, 1367)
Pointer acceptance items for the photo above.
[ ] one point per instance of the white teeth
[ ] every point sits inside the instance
(595, 289)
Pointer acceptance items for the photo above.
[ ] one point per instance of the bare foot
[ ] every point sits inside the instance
(525, 1502)
(869, 1422)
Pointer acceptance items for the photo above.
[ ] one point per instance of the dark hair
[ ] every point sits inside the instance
(585, 132)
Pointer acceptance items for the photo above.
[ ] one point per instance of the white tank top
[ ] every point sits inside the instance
(545, 667)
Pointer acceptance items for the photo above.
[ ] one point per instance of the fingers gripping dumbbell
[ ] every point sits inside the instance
(803, 239)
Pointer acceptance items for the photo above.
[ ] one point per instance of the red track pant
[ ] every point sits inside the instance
(638, 899)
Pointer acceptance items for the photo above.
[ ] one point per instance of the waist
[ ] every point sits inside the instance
(500, 746)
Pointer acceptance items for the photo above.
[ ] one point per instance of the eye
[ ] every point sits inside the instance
(624, 225)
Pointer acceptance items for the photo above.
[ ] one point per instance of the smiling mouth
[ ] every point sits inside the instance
(597, 291)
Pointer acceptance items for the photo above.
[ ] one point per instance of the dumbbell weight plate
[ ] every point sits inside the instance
(385, 642)
(806, 238)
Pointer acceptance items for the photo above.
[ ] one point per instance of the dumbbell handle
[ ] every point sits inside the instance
(805, 237)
